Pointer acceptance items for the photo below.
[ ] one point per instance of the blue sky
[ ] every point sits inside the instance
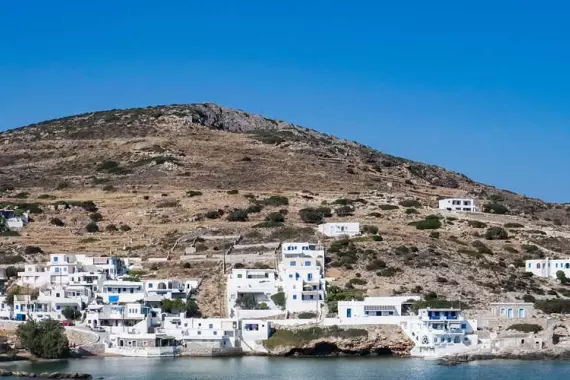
(479, 88)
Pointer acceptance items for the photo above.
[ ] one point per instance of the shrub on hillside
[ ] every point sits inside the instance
(96, 217)
(233, 192)
(496, 233)
(311, 215)
(372, 230)
(111, 228)
(513, 225)
(429, 223)
(275, 201)
(525, 327)
(124, 228)
(410, 203)
(275, 217)
(212, 214)
(237, 215)
(476, 224)
(495, 208)
(193, 193)
(344, 211)
(253, 209)
(554, 306)
(388, 207)
(92, 227)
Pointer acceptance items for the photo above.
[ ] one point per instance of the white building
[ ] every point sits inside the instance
(50, 304)
(5, 309)
(13, 221)
(438, 332)
(548, 267)
(458, 204)
(339, 229)
(372, 307)
(34, 275)
(121, 291)
(112, 267)
(133, 318)
(166, 289)
(260, 284)
(301, 272)
(207, 332)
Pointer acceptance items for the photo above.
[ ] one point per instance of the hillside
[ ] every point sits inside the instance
(168, 171)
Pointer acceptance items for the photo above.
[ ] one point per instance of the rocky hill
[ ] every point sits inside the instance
(148, 176)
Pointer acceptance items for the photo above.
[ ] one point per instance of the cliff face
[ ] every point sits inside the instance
(380, 340)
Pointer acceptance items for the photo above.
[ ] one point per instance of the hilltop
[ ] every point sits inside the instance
(155, 174)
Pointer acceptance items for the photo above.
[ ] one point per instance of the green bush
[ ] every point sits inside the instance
(343, 202)
(438, 303)
(56, 222)
(237, 215)
(22, 195)
(513, 225)
(107, 165)
(300, 337)
(481, 247)
(434, 235)
(193, 193)
(71, 314)
(495, 208)
(388, 207)
(376, 264)
(279, 299)
(496, 233)
(96, 217)
(307, 315)
(429, 223)
(311, 215)
(212, 214)
(255, 208)
(554, 306)
(377, 238)
(45, 339)
(411, 211)
(357, 281)
(12, 271)
(62, 185)
(275, 217)
(529, 298)
(186, 265)
(525, 327)
(410, 203)
(233, 192)
(476, 224)
(372, 230)
(275, 201)
(124, 228)
(268, 224)
(92, 227)
(111, 228)
(388, 272)
(344, 211)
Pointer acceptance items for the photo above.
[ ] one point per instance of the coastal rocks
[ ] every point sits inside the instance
(46, 375)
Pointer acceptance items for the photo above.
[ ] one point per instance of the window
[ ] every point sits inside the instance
(567, 266)
(239, 275)
(58, 307)
(57, 294)
(293, 263)
(503, 312)
(211, 326)
(522, 313)
(55, 259)
(150, 286)
(215, 332)
(291, 276)
(199, 332)
(538, 266)
(56, 270)
(65, 269)
(294, 296)
(307, 263)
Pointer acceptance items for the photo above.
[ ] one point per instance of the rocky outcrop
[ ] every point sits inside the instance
(381, 340)
(551, 354)
(46, 375)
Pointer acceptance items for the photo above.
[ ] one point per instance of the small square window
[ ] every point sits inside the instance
(293, 263)
(294, 296)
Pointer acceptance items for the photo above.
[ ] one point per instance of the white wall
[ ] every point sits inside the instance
(254, 330)
(340, 229)
(548, 267)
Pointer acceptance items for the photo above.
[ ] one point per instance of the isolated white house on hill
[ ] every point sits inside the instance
(337, 229)
(458, 204)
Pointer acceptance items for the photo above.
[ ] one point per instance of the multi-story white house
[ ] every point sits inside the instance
(121, 291)
(112, 267)
(91, 280)
(437, 332)
(34, 275)
(458, 204)
(338, 229)
(301, 272)
(13, 221)
(548, 267)
(129, 318)
(49, 304)
(5, 309)
(261, 284)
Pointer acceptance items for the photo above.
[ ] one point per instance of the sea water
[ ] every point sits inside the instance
(260, 368)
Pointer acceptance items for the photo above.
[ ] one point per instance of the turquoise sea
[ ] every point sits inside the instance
(259, 368)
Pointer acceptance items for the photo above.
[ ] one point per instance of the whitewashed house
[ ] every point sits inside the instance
(373, 309)
(5, 309)
(203, 333)
(13, 221)
(512, 310)
(112, 267)
(90, 280)
(458, 204)
(301, 272)
(133, 318)
(34, 275)
(548, 267)
(437, 332)
(261, 284)
(165, 289)
(338, 229)
(121, 291)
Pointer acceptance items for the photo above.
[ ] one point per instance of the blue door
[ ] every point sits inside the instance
(510, 313)
(348, 313)
(309, 277)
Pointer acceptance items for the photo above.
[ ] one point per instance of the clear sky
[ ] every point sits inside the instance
(482, 87)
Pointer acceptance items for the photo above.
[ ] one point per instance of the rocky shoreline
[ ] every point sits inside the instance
(46, 375)
(526, 355)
